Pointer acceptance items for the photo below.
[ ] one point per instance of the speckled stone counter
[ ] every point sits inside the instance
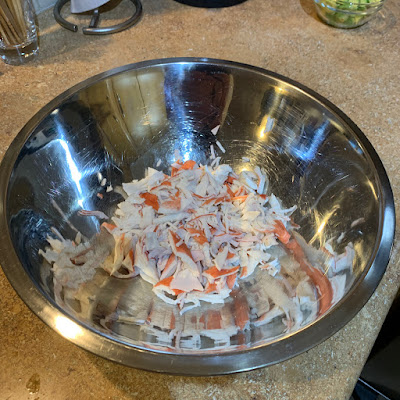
(358, 70)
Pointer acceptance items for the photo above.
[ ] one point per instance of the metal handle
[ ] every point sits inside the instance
(93, 29)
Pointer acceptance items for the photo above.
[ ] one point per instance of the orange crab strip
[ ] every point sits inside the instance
(210, 287)
(244, 272)
(230, 179)
(149, 316)
(170, 260)
(164, 183)
(265, 266)
(214, 272)
(201, 216)
(108, 226)
(240, 191)
(172, 322)
(167, 282)
(131, 256)
(199, 236)
(219, 200)
(182, 248)
(150, 200)
(320, 281)
(174, 204)
(201, 197)
(214, 320)
(318, 278)
(210, 200)
(241, 310)
(241, 198)
(211, 319)
(216, 200)
(232, 233)
(230, 280)
(174, 171)
(189, 164)
(229, 190)
(281, 233)
(213, 230)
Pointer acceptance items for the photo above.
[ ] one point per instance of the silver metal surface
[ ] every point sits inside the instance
(121, 122)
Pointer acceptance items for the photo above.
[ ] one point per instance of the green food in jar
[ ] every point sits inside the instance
(347, 13)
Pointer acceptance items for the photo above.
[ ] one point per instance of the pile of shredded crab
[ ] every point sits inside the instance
(194, 234)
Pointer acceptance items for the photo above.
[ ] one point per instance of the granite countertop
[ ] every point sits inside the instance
(356, 69)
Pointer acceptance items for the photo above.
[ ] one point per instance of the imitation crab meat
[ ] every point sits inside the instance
(195, 234)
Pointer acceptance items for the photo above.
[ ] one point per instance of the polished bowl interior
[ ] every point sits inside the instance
(121, 122)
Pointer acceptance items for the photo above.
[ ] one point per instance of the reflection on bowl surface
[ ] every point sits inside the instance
(111, 128)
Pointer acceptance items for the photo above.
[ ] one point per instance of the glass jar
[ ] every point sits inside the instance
(347, 13)
(18, 35)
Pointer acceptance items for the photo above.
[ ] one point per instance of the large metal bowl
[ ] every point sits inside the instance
(122, 121)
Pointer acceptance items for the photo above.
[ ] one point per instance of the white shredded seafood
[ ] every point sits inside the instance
(194, 234)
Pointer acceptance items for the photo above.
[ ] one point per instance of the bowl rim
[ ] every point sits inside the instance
(374, 4)
(203, 364)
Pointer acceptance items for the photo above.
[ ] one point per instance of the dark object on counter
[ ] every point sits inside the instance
(211, 3)
(380, 377)
(93, 28)
(364, 391)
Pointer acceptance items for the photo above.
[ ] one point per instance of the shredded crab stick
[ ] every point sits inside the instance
(321, 282)
(194, 235)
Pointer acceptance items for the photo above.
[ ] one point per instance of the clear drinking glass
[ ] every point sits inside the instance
(18, 35)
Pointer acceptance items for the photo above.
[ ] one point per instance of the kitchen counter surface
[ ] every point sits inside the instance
(358, 70)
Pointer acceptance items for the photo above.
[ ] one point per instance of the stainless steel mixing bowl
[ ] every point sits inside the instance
(120, 122)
